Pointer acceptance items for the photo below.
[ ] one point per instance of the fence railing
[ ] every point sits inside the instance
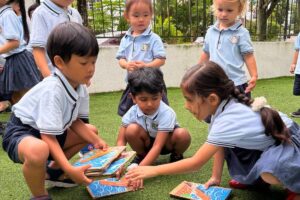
(178, 21)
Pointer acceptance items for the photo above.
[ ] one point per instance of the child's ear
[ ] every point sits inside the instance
(133, 98)
(126, 16)
(213, 99)
(58, 61)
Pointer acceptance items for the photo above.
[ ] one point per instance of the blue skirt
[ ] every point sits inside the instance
(282, 161)
(20, 73)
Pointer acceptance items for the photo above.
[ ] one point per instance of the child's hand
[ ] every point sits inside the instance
(251, 84)
(292, 68)
(137, 184)
(78, 176)
(212, 181)
(100, 144)
(141, 172)
(131, 66)
(140, 64)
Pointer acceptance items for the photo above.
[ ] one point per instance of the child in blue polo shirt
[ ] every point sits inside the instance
(237, 123)
(19, 73)
(140, 47)
(45, 17)
(48, 125)
(150, 126)
(295, 69)
(228, 43)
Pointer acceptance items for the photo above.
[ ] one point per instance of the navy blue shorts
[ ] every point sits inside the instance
(296, 90)
(16, 131)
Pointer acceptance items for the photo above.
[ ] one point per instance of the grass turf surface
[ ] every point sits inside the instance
(278, 92)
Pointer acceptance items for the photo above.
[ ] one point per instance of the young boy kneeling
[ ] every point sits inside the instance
(150, 126)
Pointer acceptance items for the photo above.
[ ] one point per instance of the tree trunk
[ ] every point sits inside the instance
(82, 9)
(261, 21)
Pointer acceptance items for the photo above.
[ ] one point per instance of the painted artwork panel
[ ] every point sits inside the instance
(196, 191)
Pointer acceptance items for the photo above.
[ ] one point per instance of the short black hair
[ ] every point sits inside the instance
(146, 79)
(71, 38)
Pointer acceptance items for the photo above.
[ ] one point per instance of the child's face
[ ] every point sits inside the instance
(148, 103)
(79, 69)
(227, 12)
(139, 17)
(200, 107)
(63, 3)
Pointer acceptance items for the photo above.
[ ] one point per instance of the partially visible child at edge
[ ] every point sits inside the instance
(273, 136)
(47, 126)
(140, 47)
(150, 126)
(228, 44)
(45, 17)
(295, 69)
(19, 72)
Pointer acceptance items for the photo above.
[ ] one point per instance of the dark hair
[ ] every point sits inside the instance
(202, 80)
(146, 79)
(24, 18)
(71, 38)
(129, 3)
(31, 9)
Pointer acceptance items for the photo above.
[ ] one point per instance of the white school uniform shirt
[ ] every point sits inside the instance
(44, 19)
(163, 120)
(227, 47)
(236, 125)
(297, 48)
(11, 28)
(53, 104)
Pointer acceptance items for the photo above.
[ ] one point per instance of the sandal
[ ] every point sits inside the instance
(54, 179)
(291, 195)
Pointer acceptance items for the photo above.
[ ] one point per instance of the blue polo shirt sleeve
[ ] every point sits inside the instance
(39, 30)
(245, 44)
(49, 118)
(223, 133)
(11, 24)
(158, 49)
(205, 47)
(297, 43)
(121, 51)
(166, 121)
(130, 116)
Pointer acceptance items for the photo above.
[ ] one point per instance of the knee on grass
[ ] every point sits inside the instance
(134, 131)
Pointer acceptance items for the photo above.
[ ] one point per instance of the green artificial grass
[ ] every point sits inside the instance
(278, 92)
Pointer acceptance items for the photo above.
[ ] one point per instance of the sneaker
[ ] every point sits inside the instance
(237, 185)
(137, 159)
(257, 185)
(135, 162)
(291, 195)
(54, 179)
(296, 113)
(174, 157)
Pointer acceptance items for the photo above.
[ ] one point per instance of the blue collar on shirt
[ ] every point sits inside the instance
(55, 8)
(145, 33)
(141, 114)
(73, 94)
(4, 8)
(234, 27)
